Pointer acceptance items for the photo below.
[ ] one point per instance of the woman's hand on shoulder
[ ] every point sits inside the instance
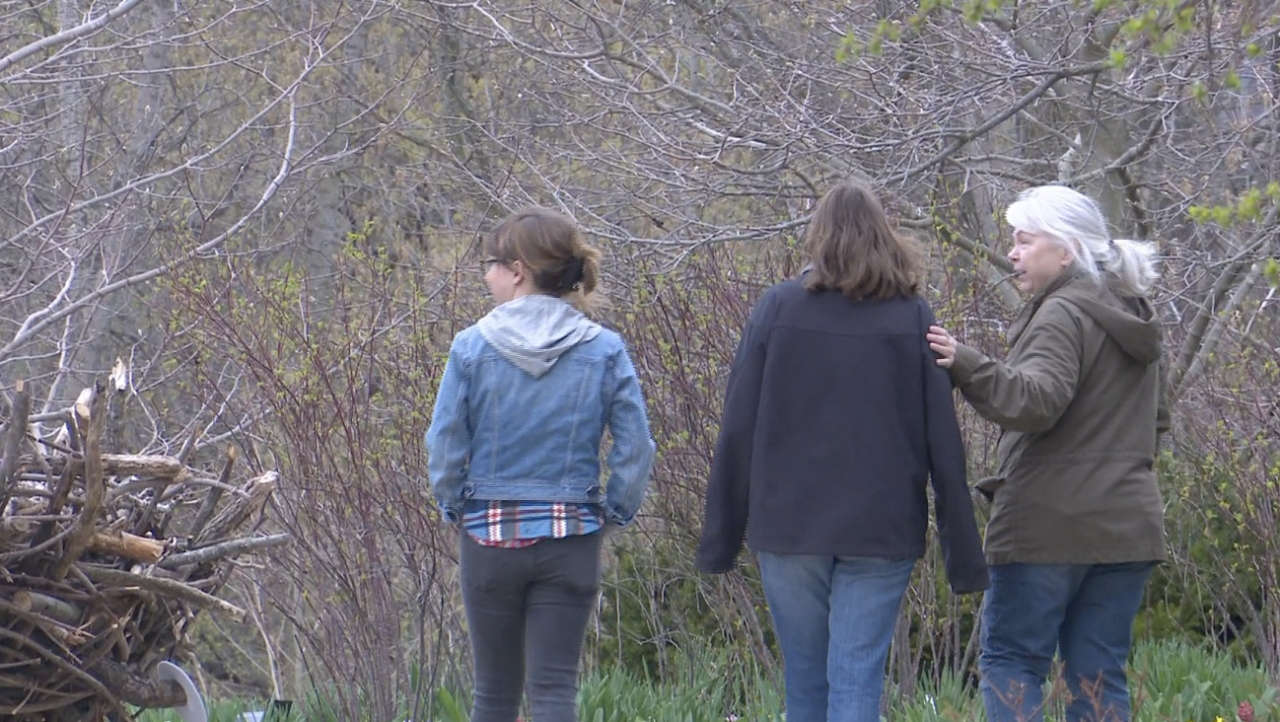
(942, 344)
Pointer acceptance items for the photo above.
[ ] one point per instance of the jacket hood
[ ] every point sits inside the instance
(533, 331)
(1130, 321)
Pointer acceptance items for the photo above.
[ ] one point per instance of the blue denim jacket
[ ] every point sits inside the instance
(523, 420)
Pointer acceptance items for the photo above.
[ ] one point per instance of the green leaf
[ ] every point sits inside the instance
(849, 47)
(1185, 20)
(1272, 272)
(1250, 205)
(450, 708)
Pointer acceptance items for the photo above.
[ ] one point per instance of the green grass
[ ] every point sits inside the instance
(1171, 681)
(1178, 681)
(218, 712)
(707, 697)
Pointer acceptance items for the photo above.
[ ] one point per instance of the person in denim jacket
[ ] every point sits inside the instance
(514, 460)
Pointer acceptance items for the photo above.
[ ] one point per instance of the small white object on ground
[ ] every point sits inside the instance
(193, 710)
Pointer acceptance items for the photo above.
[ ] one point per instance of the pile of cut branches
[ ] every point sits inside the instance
(105, 560)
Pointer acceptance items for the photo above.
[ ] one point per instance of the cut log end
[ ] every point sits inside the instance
(129, 546)
(52, 607)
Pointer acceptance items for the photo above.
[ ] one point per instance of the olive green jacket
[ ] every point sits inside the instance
(1080, 402)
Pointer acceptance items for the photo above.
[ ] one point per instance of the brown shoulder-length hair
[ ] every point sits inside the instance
(852, 249)
(552, 251)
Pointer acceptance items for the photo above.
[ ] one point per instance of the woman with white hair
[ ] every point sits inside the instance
(1076, 520)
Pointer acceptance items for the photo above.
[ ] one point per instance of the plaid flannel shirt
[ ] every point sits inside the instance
(516, 524)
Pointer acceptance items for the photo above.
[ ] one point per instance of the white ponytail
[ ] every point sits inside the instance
(1133, 265)
(1076, 222)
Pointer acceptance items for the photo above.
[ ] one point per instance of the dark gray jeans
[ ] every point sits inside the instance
(527, 612)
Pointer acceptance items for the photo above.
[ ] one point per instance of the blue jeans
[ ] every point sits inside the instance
(1083, 611)
(834, 617)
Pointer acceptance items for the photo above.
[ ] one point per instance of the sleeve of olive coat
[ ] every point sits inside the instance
(953, 506)
(1030, 394)
(1164, 419)
(724, 524)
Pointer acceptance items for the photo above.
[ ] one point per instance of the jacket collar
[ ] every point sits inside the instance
(1028, 311)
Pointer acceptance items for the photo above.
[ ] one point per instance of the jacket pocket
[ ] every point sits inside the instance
(988, 486)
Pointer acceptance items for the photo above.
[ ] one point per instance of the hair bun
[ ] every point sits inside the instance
(576, 270)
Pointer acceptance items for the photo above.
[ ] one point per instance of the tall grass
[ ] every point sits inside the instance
(1171, 681)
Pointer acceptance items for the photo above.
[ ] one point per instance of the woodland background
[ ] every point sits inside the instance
(269, 211)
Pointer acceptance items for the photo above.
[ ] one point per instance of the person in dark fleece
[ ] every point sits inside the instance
(1076, 518)
(836, 418)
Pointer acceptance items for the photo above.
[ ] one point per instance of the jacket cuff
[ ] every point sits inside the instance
(971, 582)
(966, 362)
(615, 518)
(716, 561)
(716, 566)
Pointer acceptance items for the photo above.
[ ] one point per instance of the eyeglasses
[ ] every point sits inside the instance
(484, 265)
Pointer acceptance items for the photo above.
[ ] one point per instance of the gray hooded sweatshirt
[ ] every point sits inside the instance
(533, 331)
